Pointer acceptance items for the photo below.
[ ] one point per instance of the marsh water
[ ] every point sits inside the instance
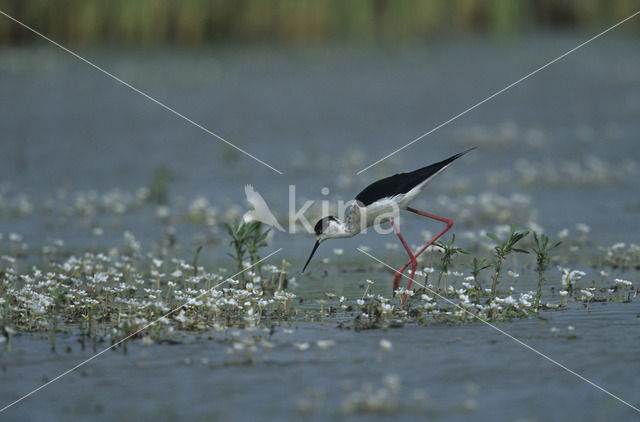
(565, 140)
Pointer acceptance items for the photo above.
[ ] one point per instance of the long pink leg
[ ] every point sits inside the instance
(412, 260)
(449, 224)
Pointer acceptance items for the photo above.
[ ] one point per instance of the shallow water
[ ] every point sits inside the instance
(469, 371)
(66, 126)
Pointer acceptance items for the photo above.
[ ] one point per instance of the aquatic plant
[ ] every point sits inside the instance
(160, 181)
(502, 250)
(570, 278)
(196, 255)
(382, 400)
(111, 294)
(621, 256)
(624, 286)
(476, 266)
(542, 250)
(448, 253)
(246, 239)
(385, 346)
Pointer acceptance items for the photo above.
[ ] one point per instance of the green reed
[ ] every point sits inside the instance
(195, 22)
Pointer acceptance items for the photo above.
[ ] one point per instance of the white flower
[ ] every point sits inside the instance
(182, 317)
(403, 291)
(301, 347)
(524, 300)
(325, 344)
(583, 228)
(385, 345)
(15, 237)
(586, 294)
(570, 277)
(162, 212)
(621, 282)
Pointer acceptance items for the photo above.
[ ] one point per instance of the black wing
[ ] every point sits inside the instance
(402, 182)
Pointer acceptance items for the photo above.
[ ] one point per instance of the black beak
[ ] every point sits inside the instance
(311, 256)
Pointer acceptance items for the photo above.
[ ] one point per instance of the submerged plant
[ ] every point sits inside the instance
(502, 250)
(542, 250)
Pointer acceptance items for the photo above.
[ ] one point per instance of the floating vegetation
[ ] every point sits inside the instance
(111, 296)
(621, 256)
(486, 207)
(163, 293)
(591, 171)
(505, 135)
(116, 296)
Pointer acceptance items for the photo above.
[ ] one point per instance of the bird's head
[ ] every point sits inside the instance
(325, 228)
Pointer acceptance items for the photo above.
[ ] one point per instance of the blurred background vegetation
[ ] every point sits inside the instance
(196, 22)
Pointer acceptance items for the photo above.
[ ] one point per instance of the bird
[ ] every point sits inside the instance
(379, 203)
(261, 211)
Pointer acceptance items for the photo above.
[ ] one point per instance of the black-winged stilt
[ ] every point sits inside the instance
(379, 203)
